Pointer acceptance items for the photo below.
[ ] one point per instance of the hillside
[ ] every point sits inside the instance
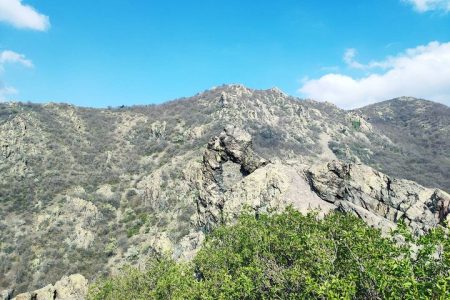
(421, 130)
(87, 190)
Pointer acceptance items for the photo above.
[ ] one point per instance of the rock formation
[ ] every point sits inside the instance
(89, 190)
(233, 145)
(380, 200)
(377, 198)
(73, 287)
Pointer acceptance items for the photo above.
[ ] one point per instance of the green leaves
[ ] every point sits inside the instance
(292, 256)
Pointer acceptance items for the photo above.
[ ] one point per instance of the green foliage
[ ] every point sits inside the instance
(291, 256)
(134, 225)
(356, 124)
(164, 279)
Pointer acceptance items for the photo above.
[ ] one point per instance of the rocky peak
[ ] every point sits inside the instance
(406, 98)
(278, 91)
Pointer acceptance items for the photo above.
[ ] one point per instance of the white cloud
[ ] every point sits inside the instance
(6, 90)
(429, 5)
(22, 15)
(8, 56)
(11, 57)
(422, 72)
(349, 59)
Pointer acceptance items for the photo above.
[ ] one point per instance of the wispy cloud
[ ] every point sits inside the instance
(429, 5)
(350, 59)
(5, 91)
(11, 57)
(20, 15)
(423, 71)
(8, 56)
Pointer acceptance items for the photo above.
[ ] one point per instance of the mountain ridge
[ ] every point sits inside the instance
(86, 190)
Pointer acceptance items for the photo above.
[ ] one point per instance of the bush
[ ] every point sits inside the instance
(291, 256)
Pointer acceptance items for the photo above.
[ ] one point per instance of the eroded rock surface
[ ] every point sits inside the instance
(234, 177)
(253, 182)
(233, 145)
(373, 195)
(73, 287)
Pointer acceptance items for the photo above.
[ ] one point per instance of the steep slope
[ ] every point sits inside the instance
(421, 131)
(86, 190)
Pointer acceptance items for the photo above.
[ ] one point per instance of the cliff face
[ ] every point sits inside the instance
(87, 190)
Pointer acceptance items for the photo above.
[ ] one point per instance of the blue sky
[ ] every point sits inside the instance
(101, 53)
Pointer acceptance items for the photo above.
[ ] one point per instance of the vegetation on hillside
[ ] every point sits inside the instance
(420, 132)
(137, 166)
(291, 256)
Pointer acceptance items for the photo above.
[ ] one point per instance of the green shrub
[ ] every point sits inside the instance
(356, 124)
(291, 256)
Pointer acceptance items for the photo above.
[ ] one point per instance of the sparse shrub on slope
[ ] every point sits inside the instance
(291, 256)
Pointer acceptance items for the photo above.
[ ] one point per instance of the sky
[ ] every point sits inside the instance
(118, 52)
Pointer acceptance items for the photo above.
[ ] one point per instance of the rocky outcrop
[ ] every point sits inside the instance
(232, 145)
(234, 177)
(73, 287)
(377, 198)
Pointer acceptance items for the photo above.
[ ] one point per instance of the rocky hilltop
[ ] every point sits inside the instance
(88, 190)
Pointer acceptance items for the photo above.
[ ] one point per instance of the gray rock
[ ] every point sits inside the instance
(231, 145)
(23, 296)
(45, 293)
(73, 287)
(371, 194)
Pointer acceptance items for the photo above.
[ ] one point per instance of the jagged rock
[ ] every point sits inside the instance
(253, 183)
(73, 287)
(189, 245)
(371, 194)
(231, 145)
